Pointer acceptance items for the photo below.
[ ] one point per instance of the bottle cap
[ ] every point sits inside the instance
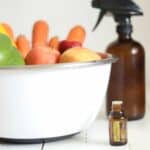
(117, 105)
(117, 102)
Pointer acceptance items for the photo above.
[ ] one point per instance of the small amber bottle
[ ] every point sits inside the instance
(117, 124)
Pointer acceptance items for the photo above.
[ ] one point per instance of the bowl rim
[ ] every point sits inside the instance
(110, 59)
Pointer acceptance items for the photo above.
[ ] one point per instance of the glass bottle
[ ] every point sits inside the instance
(127, 79)
(117, 125)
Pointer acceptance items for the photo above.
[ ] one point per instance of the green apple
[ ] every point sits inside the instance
(9, 55)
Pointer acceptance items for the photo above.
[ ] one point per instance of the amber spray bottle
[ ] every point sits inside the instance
(127, 79)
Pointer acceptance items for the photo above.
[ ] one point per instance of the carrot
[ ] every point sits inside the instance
(54, 42)
(23, 45)
(40, 33)
(8, 30)
(77, 33)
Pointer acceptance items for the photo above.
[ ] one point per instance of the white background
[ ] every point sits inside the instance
(63, 14)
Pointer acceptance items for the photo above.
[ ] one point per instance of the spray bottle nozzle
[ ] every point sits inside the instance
(121, 8)
(100, 17)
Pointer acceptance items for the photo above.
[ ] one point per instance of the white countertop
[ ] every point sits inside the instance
(96, 138)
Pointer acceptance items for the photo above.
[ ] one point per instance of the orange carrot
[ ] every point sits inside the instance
(8, 30)
(54, 42)
(77, 33)
(23, 45)
(40, 33)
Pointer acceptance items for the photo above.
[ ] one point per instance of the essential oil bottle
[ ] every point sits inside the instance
(117, 124)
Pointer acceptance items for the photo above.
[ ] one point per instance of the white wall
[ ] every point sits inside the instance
(63, 14)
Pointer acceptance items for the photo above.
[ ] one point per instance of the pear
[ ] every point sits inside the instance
(79, 54)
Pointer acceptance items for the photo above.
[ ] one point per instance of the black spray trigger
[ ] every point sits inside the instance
(120, 10)
(100, 17)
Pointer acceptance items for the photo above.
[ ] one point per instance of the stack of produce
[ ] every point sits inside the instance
(42, 50)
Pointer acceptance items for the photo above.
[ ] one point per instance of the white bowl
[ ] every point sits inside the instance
(50, 101)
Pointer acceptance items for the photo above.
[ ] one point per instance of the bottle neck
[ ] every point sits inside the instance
(124, 32)
(124, 37)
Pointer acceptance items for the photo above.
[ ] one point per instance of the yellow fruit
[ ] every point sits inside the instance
(79, 54)
(3, 31)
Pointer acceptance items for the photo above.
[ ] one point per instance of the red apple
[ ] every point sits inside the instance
(42, 55)
(64, 45)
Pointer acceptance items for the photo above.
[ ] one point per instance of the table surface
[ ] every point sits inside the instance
(96, 138)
